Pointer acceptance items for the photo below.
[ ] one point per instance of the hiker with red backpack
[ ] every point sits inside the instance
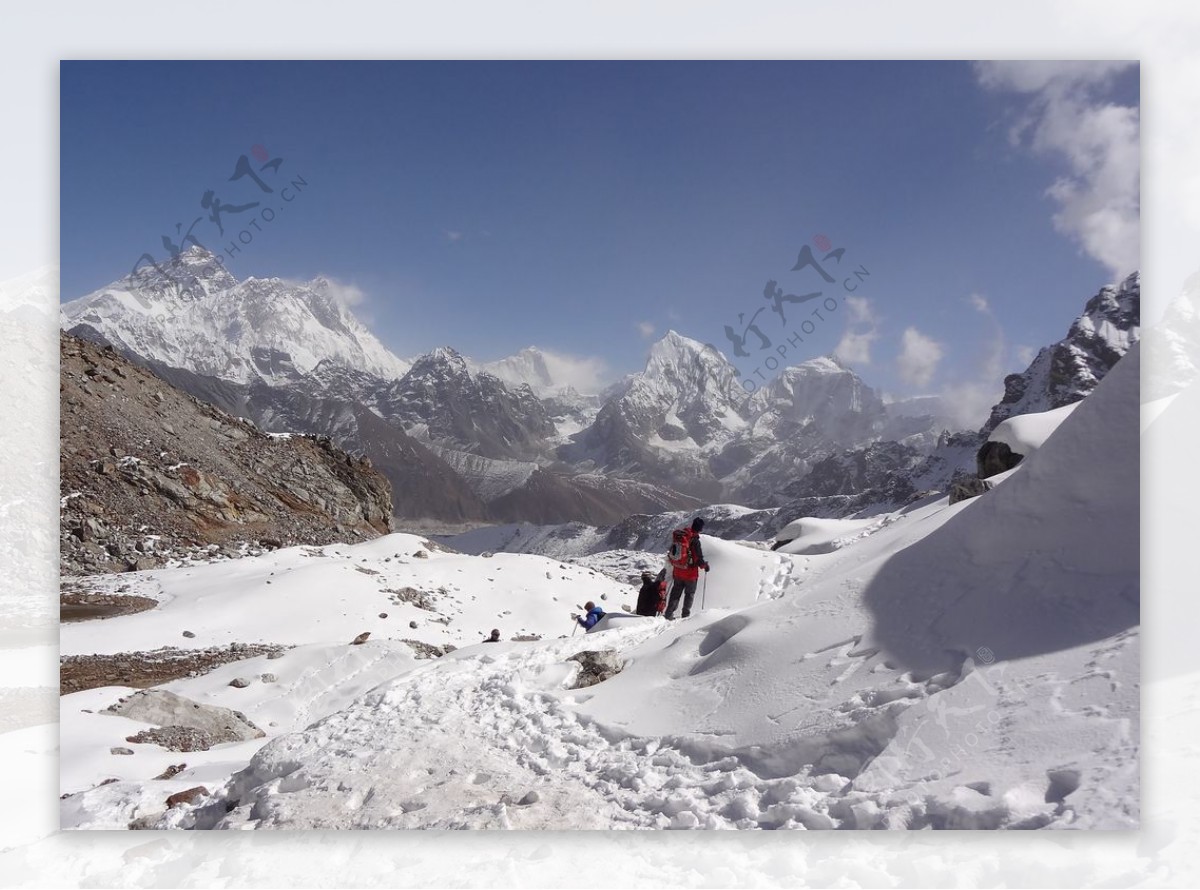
(686, 560)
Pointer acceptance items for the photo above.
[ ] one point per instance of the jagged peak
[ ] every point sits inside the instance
(195, 253)
(826, 364)
(674, 347)
(443, 355)
(193, 263)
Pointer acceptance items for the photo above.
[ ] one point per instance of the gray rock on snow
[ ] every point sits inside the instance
(596, 666)
(968, 487)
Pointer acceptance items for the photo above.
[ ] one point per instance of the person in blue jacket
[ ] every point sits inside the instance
(594, 614)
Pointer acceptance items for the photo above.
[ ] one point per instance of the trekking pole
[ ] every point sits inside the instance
(704, 591)
(576, 623)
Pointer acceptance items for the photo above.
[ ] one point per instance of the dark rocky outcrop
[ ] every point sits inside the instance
(1068, 370)
(995, 457)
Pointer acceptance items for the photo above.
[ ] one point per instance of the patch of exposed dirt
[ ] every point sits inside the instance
(144, 669)
(78, 605)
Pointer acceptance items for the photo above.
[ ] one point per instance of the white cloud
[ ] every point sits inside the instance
(1033, 76)
(861, 311)
(969, 403)
(587, 374)
(855, 349)
(1025, 355)
(862, 330)
(453, 236)
(970, 398)
(646, 329)
(1098, 198)
(345, 294)
(919, 357)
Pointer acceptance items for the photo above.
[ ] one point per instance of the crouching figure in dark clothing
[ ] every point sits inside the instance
(652, 598)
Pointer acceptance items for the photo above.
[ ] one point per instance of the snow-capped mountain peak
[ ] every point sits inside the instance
(674, 350)
(443, 357)
(191, 313)
(1070, 369)
(527, 366)
(1112, 315)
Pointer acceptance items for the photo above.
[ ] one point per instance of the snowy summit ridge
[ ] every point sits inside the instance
(193, 314)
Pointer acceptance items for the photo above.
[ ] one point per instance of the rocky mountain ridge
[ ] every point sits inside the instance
(509, 441)
(149, 472)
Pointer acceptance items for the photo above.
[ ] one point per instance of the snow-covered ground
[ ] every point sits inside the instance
(969, 666)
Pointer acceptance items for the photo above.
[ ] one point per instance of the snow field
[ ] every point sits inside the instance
(966, 666)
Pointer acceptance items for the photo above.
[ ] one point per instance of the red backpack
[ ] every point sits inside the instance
(680, 554)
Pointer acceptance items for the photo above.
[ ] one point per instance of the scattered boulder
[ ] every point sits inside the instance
(596, 666)
(171, 771)
(968, 487)
(189, 634)
(361, 638)
(239, 682)
(428, 650)
(383, 614)
(413, 625)
(184, 797)
(120, 750)
(185, 738)
(268, 678)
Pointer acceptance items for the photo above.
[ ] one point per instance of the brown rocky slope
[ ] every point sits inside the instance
(149, 473)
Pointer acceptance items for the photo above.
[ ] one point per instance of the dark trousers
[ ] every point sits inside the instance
(686, 589)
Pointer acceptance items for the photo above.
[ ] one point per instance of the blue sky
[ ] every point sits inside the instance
(586, 207)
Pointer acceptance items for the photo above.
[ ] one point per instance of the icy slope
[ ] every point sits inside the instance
(974, 663)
